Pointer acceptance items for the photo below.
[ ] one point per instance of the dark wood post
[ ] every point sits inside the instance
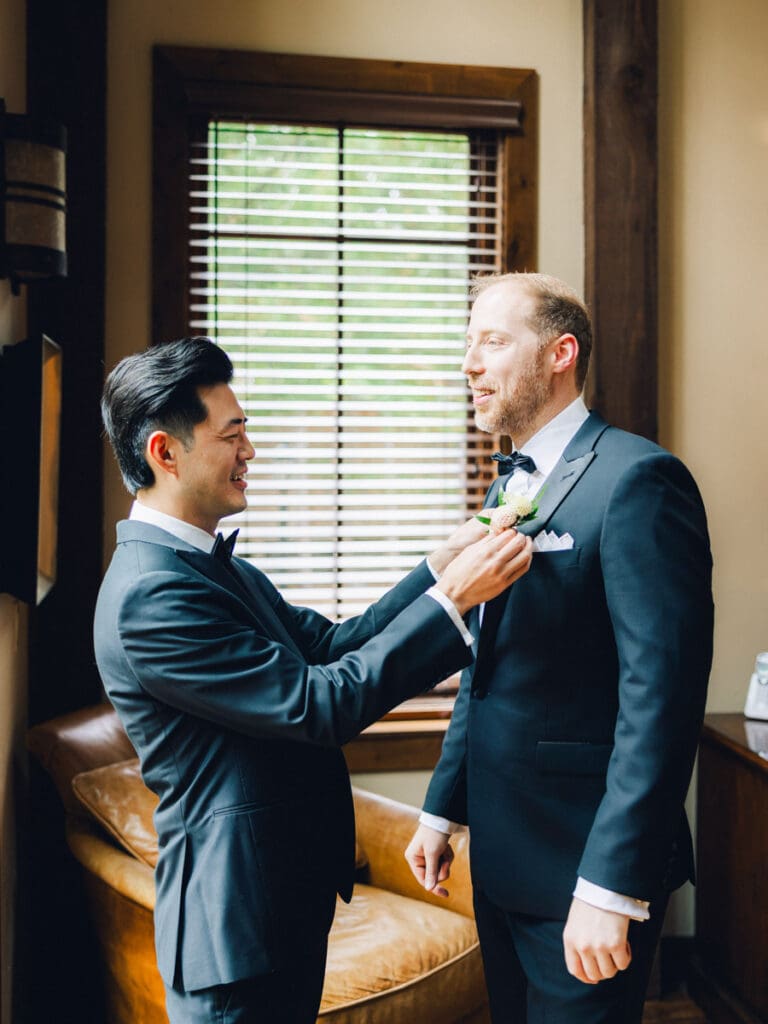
(620, 185)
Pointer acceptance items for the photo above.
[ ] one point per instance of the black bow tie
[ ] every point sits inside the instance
(509, 463)
(222, 549)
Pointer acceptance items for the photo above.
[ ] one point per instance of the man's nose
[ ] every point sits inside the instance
(246, 448)
(471, 363)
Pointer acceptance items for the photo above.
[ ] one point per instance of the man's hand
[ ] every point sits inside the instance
(429, 856)
(595, 941)
(464, 535)
(485, 568)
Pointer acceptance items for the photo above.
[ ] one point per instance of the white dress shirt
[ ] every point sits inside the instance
(546, 448)
(193, 535)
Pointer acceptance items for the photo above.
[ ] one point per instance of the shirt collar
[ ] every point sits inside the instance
(549, 443)
(184, 531)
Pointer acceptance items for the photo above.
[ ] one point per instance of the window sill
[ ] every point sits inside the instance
(409, 738)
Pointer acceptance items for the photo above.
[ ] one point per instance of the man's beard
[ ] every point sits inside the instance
(519, 409)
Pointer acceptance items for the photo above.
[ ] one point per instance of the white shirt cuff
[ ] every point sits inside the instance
(605, 899)
(435, 575)
(446, 603)
(439, 824)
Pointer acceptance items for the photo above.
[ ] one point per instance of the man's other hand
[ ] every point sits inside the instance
(464, 535)
(486, 568)
(429, 857)
(595, 942)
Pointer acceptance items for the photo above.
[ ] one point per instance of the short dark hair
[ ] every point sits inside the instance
(559, 310)
(158, 390)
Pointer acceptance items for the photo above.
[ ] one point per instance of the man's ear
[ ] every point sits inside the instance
(565, 353)
(161, 454)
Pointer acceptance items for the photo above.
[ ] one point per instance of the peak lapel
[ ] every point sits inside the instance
(567, 472)
(238, 582)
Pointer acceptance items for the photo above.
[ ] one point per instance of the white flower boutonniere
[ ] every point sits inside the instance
(512, 510)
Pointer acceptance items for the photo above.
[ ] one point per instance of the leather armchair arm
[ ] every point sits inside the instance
(384, 829)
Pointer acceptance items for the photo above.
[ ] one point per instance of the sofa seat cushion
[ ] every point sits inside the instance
(393, 959)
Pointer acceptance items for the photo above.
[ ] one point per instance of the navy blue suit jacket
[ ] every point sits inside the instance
(237, 703)
(572, 743)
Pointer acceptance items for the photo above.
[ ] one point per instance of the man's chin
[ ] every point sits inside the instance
(485, 423)
(232, 511)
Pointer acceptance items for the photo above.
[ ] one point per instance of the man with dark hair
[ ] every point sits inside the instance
(237, 703)
(571, 746)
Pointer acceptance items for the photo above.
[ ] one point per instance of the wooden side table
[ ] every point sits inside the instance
(730, 973)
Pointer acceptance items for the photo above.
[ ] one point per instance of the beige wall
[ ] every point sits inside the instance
(714, 263)
(713, 207)
(13, 621)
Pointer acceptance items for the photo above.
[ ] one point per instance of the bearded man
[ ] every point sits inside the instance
(571, 746)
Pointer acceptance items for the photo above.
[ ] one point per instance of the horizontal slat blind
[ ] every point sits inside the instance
(333, 267)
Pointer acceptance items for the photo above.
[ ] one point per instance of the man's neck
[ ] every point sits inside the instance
(552, 409)
(163, 503)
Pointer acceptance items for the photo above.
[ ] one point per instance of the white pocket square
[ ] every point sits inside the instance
(549, 541)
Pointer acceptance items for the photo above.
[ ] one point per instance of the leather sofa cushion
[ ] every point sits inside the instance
(118, 799)
(393, 959)
(115, 795)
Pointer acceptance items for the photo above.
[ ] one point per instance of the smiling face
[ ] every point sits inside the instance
(506, 366)
(210, 474)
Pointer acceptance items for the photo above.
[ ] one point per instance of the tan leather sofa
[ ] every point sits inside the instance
(396, 954)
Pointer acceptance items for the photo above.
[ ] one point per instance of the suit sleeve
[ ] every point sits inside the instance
(447, 792)
(185, 648)
(656, 567)
(322, 640)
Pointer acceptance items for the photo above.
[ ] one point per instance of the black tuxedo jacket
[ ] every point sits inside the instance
(573, 739)
(237, 703)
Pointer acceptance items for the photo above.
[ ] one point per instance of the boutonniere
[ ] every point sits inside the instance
(512, 510)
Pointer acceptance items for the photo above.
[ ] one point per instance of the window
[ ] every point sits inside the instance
(321, 219)
(332, 264)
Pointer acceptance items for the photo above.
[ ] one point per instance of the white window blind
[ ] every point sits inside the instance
(332, 264)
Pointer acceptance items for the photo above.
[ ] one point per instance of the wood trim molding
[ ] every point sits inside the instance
(343, 74)
(397, 746)
(620, 209)
(518, 171)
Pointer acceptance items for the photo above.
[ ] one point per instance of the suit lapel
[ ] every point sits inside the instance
(566, 474)
(560, 481)
(238, 582)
